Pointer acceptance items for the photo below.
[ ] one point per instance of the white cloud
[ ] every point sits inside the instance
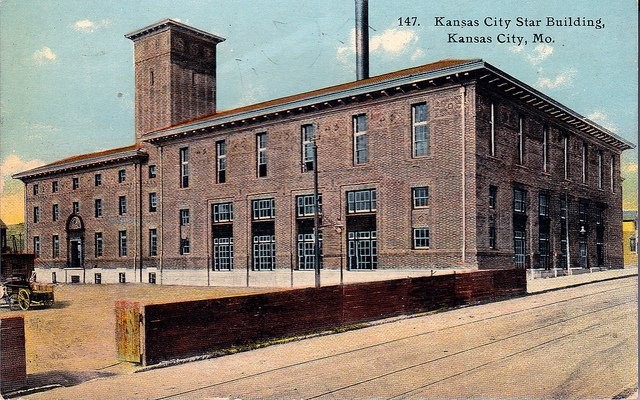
(602, 119)
(563, 79)
(516, 48)
(540, 53)
(13, 164)
(88, 26)
(393, 42)
(44, 55)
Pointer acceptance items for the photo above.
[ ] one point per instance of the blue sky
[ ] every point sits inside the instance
(66, 71)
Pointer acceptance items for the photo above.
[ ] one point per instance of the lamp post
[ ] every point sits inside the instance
(316, 209)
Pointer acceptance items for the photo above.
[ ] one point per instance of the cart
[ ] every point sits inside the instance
(22, 294)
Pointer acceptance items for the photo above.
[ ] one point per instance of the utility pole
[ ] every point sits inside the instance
(316, 215)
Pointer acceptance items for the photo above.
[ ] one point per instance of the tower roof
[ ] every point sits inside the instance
(172, 24)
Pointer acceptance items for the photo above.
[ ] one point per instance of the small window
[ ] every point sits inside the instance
(222, 212)
(184, 167)
(264, 209)
(55, 186)
(360, 139)
(261, 149)
(152, 171)
(152, 278)
(75, 278)
(36, 215)
(97, 178)
(184, 217)
(308, 150)
(36, 246)
(97, 242)
(75, 207)
(122, 243)
(543, 204)
(221, 161)
(492, 133)
(520, 140)
(306, 205)
(585, 162)
(55, 246)
(565, 155)
(122, 175)
(97, 278)
(492, 235)
(153, 202)
(122, 277)
(493, 197)
(421, 238)
(519, 201)
(122, 205)
(53, 278)
(97, 208)
(632, 244)
(36, 188)
(55, 212)
(184, 246)
(420, 197)
(361, 201)
(153, 242)
(75, 183)
(600, 169)
(545, 148)
(420, 116)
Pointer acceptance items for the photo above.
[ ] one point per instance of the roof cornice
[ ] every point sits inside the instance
(169, 23)
(56, 168)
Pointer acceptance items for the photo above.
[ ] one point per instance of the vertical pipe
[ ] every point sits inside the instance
(463, 90)
(362, 39)
(316, 209)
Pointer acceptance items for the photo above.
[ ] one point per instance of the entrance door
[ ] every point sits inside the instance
(75, 251)
(583, 254)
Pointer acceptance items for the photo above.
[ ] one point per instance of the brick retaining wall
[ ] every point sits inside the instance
(189, 328)
(13, 361)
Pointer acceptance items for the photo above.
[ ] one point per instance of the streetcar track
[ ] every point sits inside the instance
(467, 350)
(411, 337)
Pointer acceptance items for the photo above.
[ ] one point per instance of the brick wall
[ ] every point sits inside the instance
(13, 364)
(189, 328)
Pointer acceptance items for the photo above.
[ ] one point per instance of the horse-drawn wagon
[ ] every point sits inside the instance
(22, 294)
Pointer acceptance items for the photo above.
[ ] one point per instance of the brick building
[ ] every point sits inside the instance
(454, 164)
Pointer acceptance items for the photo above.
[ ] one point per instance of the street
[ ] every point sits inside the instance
(578, 343)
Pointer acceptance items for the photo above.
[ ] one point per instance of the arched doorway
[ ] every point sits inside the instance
(75, 246)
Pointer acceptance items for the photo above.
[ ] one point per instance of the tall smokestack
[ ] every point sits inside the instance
(362, 39)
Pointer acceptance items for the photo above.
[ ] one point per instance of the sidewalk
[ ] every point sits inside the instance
(538, 285)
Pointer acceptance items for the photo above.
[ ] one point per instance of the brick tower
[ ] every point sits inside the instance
(175, 75)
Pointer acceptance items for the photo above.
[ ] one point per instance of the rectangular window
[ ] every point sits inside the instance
(361, 201)
(75, 207)
(36, 188)
(184, 167)
(545, 148)
(222, 212)
(185, 217)
(584, 162)
(122, 175)
(632, 244)
(55, 212)
(97, 208)
(122, 205)
(582, 212)
(184, 246)
(75, 183)
(264, 209)
(565, 155)
(306, 251)
(152, 278)
(492, 135)
(152, 171)
(421, 238)
(420, 197)
(545, 251)
(308, 136)
(36, 214)
(362, 250)
(55, 186)
(360, 146)
(519, 248)
(420, 116)
(36, 246)
(122, 243)
(97, 242)
(543, 204)
(153, 202)
(600, 166)
(97, 278)
(612, 174)
(492, 235)
(122, 277)
(223, 253)
(55, 246)
(306, 205)
(261, 153)
(519, 201)
(97, 179)
(493, 197)
(153, 242)
(520, 140)
(264, 252)
(221, 161)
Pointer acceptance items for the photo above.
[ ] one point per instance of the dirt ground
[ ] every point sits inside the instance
(74, 340)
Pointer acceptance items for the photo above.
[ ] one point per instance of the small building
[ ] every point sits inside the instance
(449, 165)
(630, 237)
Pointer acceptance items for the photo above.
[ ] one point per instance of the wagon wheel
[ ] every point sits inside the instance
(24, 299)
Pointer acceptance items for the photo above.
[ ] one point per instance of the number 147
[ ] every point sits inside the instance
(408, 21)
